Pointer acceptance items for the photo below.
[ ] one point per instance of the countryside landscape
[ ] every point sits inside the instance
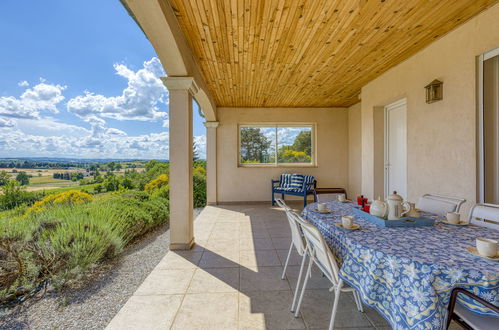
(58, 218)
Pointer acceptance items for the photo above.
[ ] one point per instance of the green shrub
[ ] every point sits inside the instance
(199, 186)
(61, 242)
(14, 195)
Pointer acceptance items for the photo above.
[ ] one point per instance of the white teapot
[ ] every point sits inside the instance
(395, 206)
(379, 208)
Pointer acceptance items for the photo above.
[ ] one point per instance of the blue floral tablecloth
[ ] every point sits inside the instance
(408, 273)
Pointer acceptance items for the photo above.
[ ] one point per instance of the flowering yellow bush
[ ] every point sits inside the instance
(157, 183)
(199, 171)
(68, 197)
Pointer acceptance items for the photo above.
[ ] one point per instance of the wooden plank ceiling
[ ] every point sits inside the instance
(309, 53)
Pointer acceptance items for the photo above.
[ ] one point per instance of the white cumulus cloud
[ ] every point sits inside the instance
(139, 100)
(111, 143)
(42, 97)
(200, 143)
(6, 122)
(23, 83)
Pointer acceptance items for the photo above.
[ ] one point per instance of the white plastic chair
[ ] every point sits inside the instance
(439, 204)
(297, 241)
(320, 254)
(485, 215)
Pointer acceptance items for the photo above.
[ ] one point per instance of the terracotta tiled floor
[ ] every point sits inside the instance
(232, 280)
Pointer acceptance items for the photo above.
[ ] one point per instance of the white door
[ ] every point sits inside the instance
(396, 148)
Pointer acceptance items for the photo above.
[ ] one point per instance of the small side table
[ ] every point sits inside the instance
(319, 191)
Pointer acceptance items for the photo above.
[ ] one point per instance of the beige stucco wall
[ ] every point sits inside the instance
(253, 184)
(441, 136)
(354, 151)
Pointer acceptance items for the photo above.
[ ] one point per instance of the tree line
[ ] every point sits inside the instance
(73, 176)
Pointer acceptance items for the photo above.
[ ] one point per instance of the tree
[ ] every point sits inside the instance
(4, 178)
(111, 166)
(23, 178)
(303, 142)
(127, 183)
(254, 145)
(13, 194)
(118, 166)
(298, 152)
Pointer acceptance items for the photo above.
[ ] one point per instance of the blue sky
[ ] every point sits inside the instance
(80, 79)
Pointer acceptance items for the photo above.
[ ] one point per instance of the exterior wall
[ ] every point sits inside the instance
(354, 151)
(253, 184)
(441, 137)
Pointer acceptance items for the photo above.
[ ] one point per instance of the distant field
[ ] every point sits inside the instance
(48, 182)
(42, 179)
(35, 172)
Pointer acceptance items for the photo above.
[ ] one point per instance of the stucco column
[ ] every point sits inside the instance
(181, 91)
(211, 161)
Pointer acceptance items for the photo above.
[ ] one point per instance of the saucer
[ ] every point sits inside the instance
(474, 251)
(345, 201)
(461, 223)
(325, 211)
(354, 226)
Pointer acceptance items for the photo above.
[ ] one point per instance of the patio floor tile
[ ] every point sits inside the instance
(212, 259)
(180, 260)
(250, 258)
(208, 311)
(294, 260)
(267, 310)
(255, 244)
(215, 280)
(317, 305)
(147, 312)
(165, 281)
(262, 279)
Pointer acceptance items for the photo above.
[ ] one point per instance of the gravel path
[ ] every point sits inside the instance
(95, 303)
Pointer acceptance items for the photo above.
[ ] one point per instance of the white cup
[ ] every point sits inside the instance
(486, 247)
(341, 197)
(453, 217)
(346, 221)
(321, 207)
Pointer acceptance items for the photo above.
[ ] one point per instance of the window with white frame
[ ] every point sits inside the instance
(277, 145)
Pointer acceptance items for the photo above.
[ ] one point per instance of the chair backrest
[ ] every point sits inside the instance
(296, 232)
(319, 251)
(285, 180)
(295, 180)
(439, 204)
(485, 215)
(309, 179)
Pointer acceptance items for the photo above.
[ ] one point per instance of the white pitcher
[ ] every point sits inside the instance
(396, 206)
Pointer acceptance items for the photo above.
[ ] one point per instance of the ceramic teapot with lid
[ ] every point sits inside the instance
(379, 208)
(396, 206)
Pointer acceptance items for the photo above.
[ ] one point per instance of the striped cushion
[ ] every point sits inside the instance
(297, 181)
(279, 189)
(309, 179)
(285, 180)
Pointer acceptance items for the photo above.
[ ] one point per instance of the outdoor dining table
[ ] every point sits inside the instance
(407, 273)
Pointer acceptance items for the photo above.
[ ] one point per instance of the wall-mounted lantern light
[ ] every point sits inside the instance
(434, 91)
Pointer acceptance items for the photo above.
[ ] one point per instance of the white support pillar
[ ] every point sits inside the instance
(211, 160)
(181, 91)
